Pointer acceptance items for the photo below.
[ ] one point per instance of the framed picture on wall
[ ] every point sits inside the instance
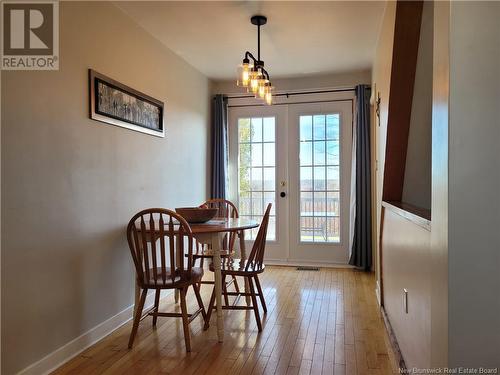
(117, 104)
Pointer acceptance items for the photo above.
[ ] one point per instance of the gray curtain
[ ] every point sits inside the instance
(219, 147)
(361, 252)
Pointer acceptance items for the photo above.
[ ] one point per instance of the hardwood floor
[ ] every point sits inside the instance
(324, 322)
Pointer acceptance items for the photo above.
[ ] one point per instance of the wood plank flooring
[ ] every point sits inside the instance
(324, 322)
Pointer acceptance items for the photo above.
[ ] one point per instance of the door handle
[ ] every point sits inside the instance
(282, 194)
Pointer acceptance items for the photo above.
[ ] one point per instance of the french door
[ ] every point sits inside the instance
(258, 171)
(298, 157)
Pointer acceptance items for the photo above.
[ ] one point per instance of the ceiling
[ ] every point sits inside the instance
(300, 37)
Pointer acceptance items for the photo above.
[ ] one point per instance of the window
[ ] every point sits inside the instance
(257, 170)
(319, 156)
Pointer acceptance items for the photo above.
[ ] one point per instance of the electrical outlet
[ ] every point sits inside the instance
(405, 300)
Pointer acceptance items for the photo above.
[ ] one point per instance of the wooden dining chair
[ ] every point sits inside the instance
(250, 270)
(158, 239)
(227, 210)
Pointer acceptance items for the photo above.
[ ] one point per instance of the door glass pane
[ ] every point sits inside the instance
(256, 178)
(332, 153)
(256, 154)
(305, 153)
(256, 135)
(269, 154)
(269, 180)
(306, 204)
(319, 178)
(306, 128)
(245, 204)
(320, 234)
(319, 127)
(256, 170)
(319, 165)
(319, 153)
(270, 197)
(306, 179)
(244, 129)
(332, 127)
(257, 202)
(333, 178)
(268, 129)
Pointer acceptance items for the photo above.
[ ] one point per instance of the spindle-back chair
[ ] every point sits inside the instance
(226, 210)
(249, 269)
(161, 244)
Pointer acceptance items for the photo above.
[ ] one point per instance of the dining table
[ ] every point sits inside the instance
(212, 233)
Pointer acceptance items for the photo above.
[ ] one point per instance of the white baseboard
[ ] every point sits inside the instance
(297, 263)
(70, 350)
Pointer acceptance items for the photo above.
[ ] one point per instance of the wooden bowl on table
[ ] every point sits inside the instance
(196, 214)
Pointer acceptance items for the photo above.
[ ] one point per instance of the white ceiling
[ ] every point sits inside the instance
(300, 37)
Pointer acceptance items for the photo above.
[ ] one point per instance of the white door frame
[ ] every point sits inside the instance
(283, 107)
(277, 249)
(300, 252)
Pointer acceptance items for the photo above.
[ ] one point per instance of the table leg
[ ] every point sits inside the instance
(216, 242)
(243, 256)
(178, 261)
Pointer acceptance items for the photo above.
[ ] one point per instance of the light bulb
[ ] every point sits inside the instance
(262, 91)
(244, 74)
(269, 98)
(245, 77)
(254, 85)
(263, 85)
(253, 76)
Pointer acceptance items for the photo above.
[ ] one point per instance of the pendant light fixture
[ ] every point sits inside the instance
(251, 73)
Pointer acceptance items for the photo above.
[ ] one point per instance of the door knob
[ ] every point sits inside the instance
(282, 194)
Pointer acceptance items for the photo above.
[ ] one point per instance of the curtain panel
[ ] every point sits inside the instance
(361, 202)
(219, 148)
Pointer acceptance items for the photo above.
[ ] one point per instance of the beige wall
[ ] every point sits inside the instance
(405, 241)
(417, 181)
(70, 184)
(347, 79)
(474, 185)
(381, 81)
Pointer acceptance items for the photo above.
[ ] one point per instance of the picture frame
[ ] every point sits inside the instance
(114, 103)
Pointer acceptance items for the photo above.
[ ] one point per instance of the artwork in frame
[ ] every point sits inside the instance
(117, 104)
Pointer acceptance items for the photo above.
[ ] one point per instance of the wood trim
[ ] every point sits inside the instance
(394, 342)
(419, 216)
(404, 64)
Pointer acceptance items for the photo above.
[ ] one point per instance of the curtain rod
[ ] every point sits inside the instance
(287, 94)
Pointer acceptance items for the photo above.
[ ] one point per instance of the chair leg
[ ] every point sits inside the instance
(259, 289)
(157, 304)
(210, 309)
(200, 302)
(224, 290)
(235, 282)
(137, 318)
(254, 303)
(202, 262)
(185, 320)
